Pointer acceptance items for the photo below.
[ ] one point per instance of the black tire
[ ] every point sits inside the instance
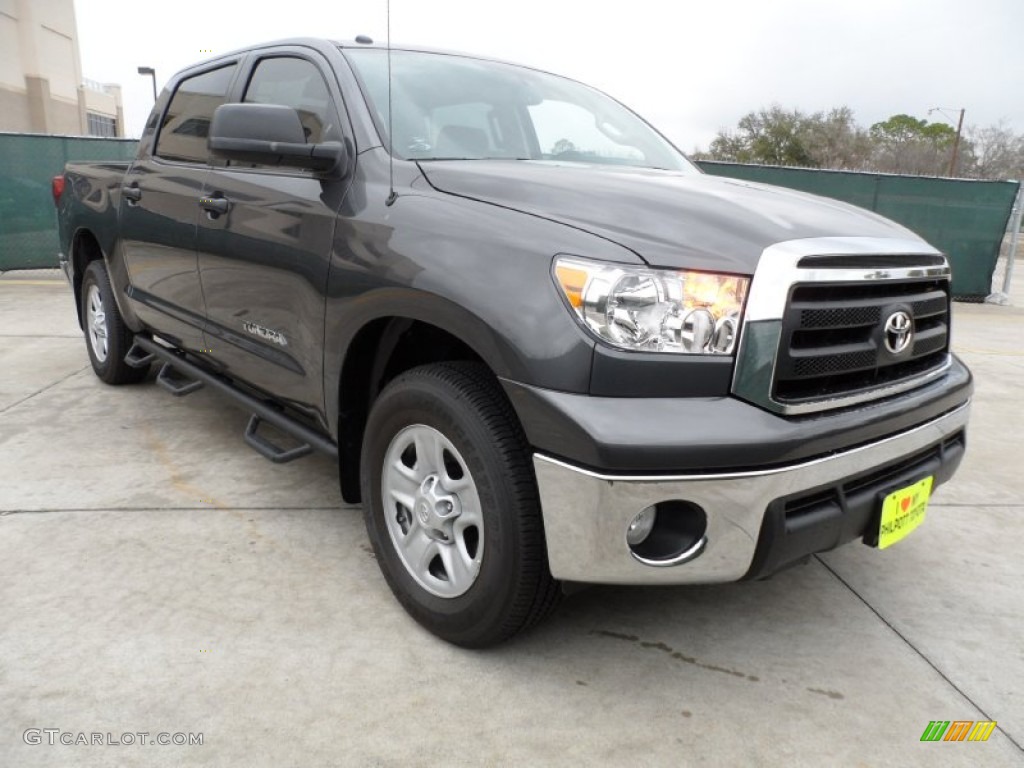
(513, 588)
(107, 338)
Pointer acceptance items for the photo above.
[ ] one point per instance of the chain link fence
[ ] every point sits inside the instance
(28, 162)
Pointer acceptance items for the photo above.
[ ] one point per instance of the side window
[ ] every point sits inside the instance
(298, 84)
(187, 120)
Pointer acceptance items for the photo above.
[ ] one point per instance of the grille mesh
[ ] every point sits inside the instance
(826, 364)
(843, 316)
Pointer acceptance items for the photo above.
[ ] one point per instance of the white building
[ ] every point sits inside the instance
(41, 85)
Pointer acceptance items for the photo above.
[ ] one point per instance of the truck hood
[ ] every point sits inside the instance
(669, 219)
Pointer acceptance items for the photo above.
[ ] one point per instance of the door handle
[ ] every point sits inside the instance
(132, 194)
(215, 205)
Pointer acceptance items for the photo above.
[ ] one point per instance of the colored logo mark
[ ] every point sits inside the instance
(958, 730)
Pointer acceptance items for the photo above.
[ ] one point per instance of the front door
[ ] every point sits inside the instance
(263, 262)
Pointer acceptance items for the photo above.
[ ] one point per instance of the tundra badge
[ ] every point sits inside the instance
(265, 333)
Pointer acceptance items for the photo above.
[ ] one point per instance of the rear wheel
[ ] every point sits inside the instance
(106, 336)
(451, 505)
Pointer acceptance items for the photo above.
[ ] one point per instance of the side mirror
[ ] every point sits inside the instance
(270, 134)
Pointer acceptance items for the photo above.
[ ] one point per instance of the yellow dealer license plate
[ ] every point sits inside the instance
(903, 511)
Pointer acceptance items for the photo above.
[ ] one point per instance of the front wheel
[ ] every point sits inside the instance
(451, 505)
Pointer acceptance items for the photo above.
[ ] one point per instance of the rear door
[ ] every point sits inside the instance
(160, 210)
(263, 263)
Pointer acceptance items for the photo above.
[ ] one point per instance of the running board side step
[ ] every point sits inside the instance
(178, 385)
(184, 375)
(137, 357)
(271, 450)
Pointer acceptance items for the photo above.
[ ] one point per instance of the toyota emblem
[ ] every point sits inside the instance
(899, 332)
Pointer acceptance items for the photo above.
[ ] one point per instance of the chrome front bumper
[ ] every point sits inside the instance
(586, 513)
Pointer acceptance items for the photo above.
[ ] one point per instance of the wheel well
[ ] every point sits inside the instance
(382, 350)
(84, 249)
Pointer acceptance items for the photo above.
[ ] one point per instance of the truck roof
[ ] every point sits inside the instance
(321, 43)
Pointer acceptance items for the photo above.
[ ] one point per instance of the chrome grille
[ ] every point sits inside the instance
(815, 315)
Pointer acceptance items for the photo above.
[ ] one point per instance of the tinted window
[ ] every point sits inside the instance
(187, 121)
(298, 84)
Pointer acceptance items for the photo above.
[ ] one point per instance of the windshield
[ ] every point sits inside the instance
(452, 107)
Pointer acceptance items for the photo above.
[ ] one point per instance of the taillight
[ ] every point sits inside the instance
(57, 187)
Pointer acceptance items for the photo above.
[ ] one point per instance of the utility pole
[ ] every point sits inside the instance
(956, 144)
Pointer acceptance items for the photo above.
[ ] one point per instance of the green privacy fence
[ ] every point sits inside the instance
(966, 219)
(28, 225)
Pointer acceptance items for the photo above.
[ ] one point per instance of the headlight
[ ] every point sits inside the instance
(654, 310)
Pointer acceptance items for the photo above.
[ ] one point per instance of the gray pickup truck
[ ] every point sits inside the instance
(544, 347)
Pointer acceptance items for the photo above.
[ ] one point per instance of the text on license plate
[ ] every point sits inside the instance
(903, 511)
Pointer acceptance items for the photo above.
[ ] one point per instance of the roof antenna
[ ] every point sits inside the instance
(391, 134)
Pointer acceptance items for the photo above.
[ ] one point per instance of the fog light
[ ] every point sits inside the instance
(640, 527)
(668, 533)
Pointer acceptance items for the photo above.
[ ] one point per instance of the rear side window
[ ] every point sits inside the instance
(296, 83)
(186, 123)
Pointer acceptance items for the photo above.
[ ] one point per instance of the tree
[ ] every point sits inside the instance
(775, 136)
(996, 153)
(900, 144)
(898, 130)
(905, 144)
(835, 140)
(770, 136)
(562, 146)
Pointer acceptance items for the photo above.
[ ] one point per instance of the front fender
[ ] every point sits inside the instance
(477, 271)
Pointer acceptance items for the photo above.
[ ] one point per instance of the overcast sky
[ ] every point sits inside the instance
(691, 68)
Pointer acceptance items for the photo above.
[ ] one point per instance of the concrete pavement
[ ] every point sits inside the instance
(156, 575)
